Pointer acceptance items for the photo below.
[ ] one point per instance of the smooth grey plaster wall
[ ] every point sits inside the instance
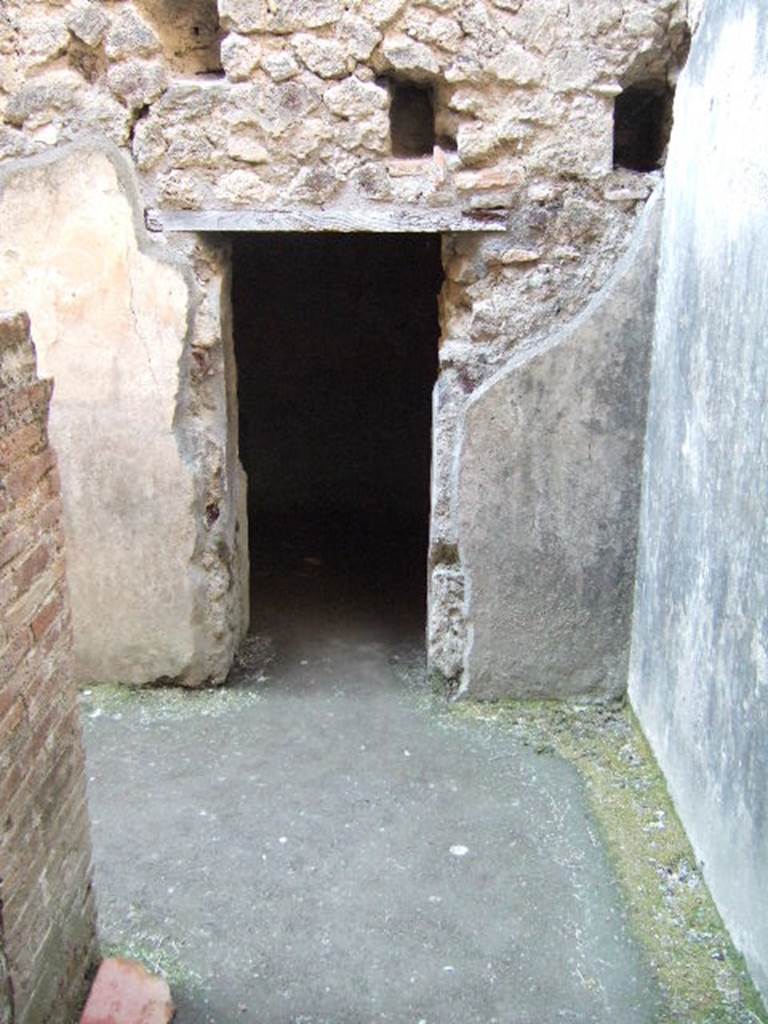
(699, 662)
(548, 489)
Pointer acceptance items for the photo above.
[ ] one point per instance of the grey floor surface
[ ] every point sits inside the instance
(321, 844)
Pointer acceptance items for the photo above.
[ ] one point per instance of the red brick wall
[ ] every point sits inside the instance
(45, 892)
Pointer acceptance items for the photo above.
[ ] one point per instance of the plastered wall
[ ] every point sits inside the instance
(112, 324)
(699, 666)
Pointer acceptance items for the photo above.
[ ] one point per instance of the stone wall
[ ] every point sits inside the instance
(47, 920)
(699, 666)
(285, 106)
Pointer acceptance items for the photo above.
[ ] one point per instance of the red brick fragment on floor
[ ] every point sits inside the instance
(125, 993)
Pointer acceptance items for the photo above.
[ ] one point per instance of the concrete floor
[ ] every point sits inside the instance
(319, 844)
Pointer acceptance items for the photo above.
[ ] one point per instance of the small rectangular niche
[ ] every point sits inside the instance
(411, 119)
(642, 122)
(190, 34)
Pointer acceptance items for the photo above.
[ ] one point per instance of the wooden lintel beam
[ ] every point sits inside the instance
(384, 219)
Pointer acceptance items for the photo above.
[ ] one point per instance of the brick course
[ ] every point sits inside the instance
(47, 936)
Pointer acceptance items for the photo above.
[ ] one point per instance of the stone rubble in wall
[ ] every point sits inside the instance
(524, 88)
(202, 426)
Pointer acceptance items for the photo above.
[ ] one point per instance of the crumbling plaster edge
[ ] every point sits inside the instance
(156, 247)
(127, 179)
(647, 227)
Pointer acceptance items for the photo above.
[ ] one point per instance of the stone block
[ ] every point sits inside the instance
(247, 147)
(240, 57)
(44, 97)
(408, 57)
(280, 65)
(427, 27)
(45, 39)
(88, 23)
(125, 993)
(515, 64)
(325, 57)
(382, 12)
(131, 36)
(355, 99)
(137, 83)
(280, 16)
(358, 37)
(503, 176)
(476, 143)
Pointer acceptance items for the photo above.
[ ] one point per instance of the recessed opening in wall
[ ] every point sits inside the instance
(642, 122)
(190, 33)
(336, 342)
(411, 119)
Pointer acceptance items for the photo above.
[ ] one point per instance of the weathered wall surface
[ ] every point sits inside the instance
(699, 666)
(244, 105)
(6, 998)
(299, 111)
(548, 490)
(110, 324)
(47, 920)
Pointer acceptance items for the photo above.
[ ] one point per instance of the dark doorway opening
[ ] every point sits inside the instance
(336, 341)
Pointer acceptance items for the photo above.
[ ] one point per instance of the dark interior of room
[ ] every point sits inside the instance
(336, 342)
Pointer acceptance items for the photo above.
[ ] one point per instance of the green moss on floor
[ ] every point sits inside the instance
(158, 704)
(702, 977)
(159, 954)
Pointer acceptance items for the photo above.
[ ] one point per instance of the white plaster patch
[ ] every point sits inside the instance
(725, 116)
